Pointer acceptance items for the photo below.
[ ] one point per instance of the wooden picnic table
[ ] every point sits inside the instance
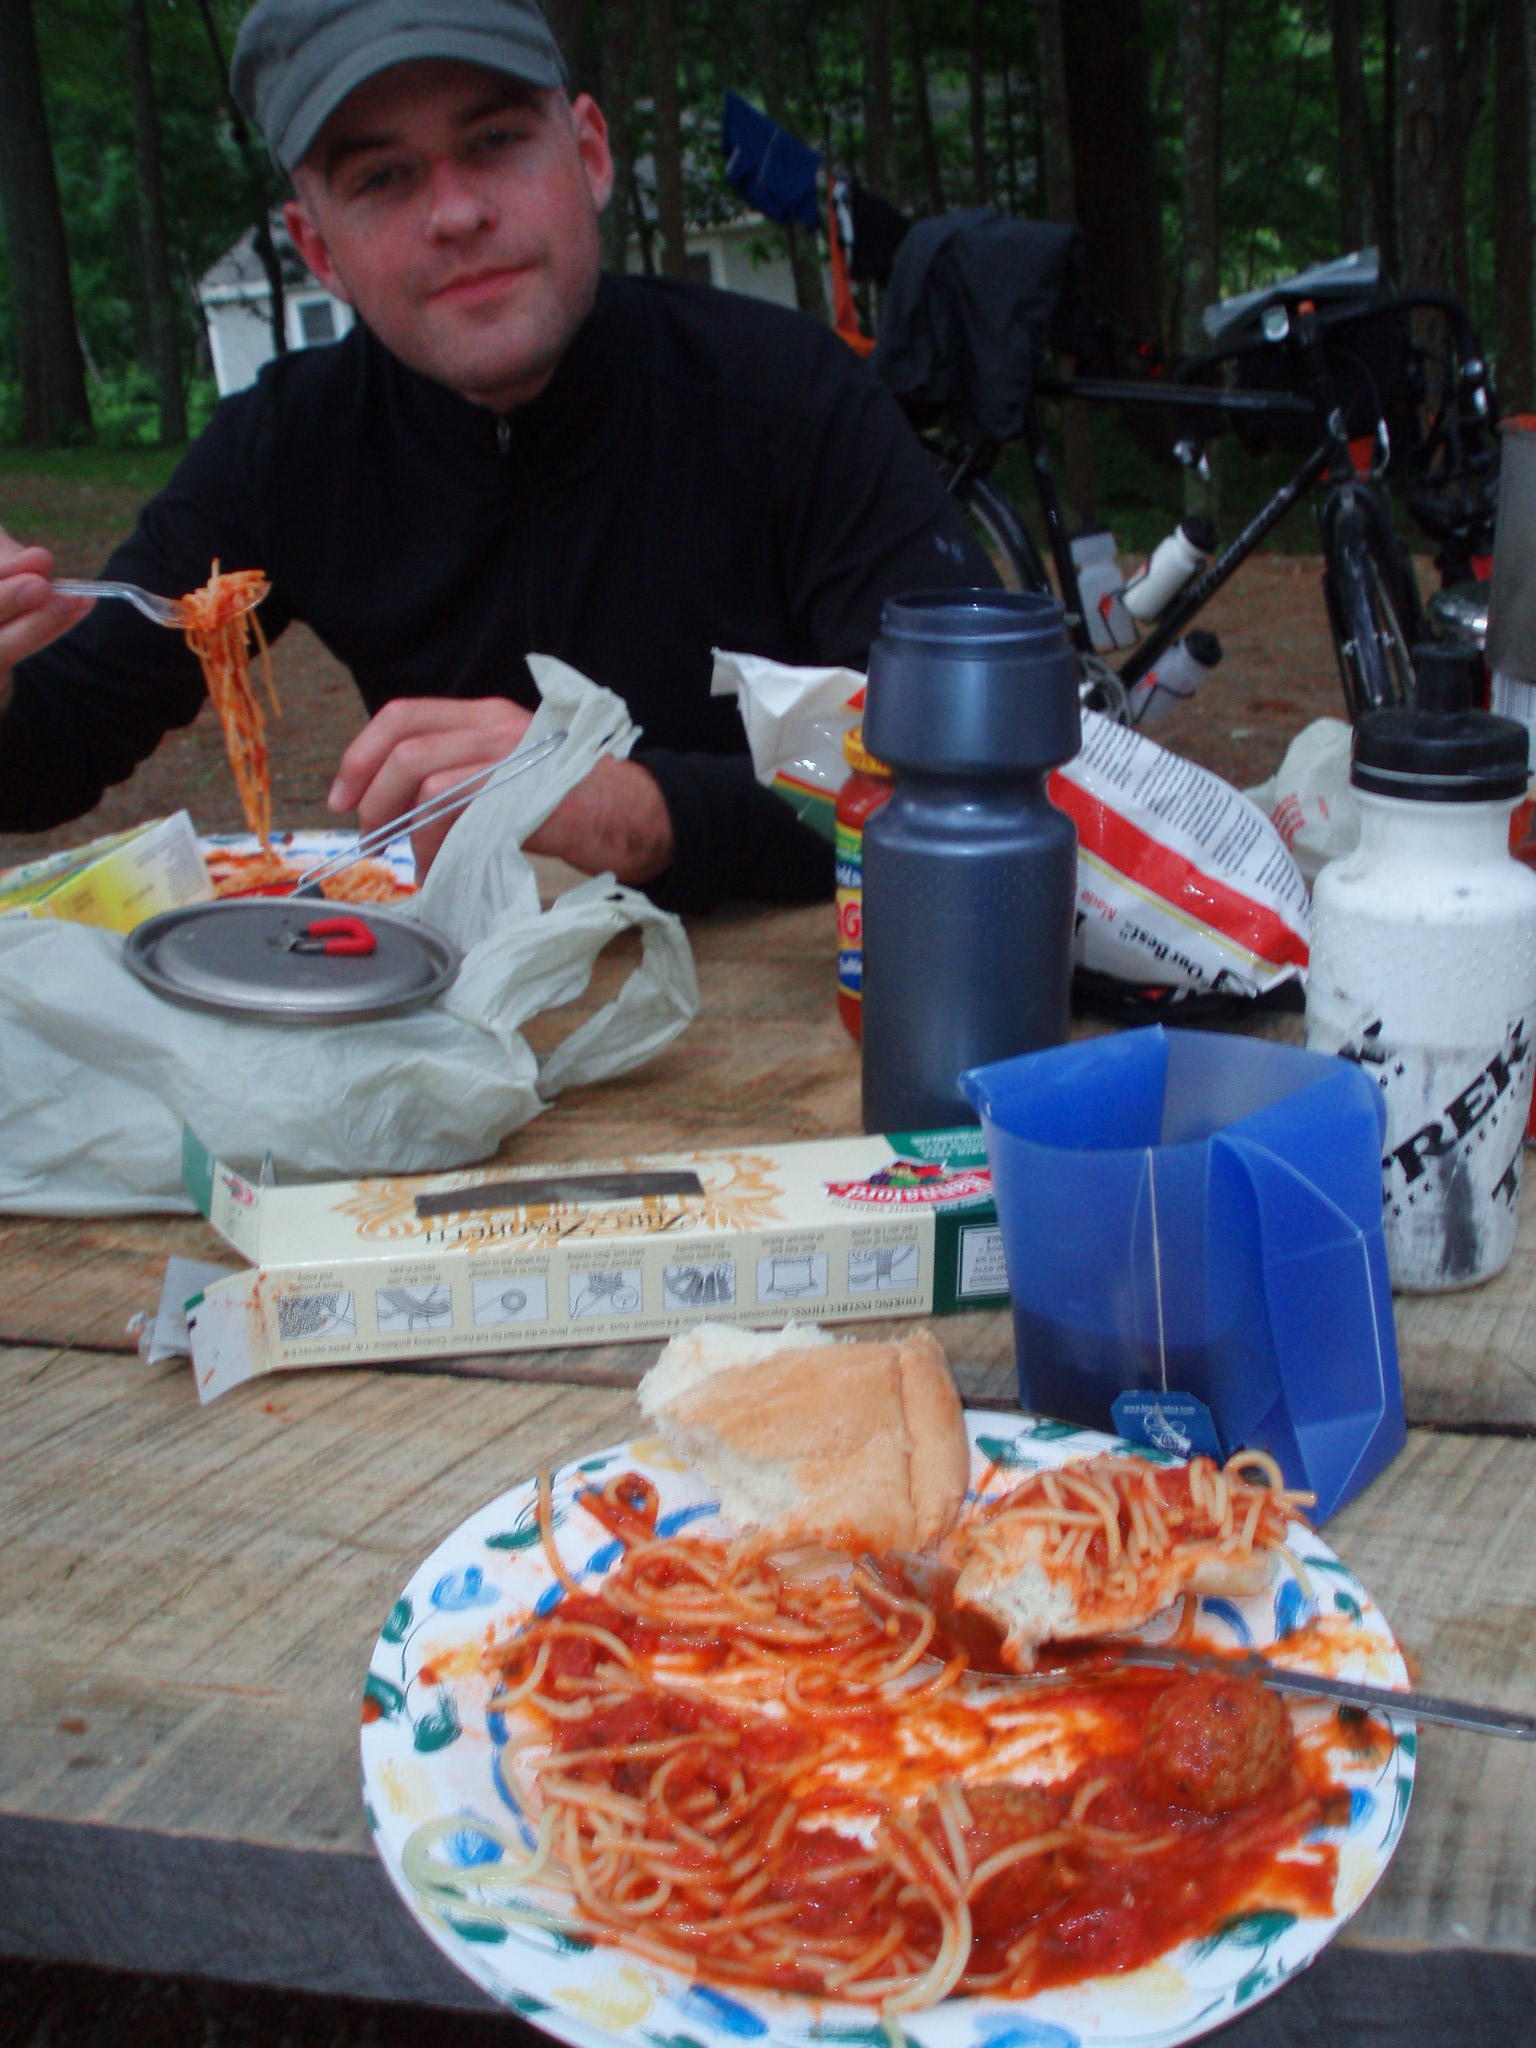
(190, 1595)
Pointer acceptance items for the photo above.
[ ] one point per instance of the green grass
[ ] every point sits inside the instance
(142, 470)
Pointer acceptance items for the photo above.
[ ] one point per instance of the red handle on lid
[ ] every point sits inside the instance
(347, 935)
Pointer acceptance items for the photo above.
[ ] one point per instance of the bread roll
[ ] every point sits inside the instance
(860, 1446)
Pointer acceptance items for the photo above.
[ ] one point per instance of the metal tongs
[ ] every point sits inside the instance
(479, 784)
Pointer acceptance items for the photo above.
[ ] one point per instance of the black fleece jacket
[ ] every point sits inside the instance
(702, 471)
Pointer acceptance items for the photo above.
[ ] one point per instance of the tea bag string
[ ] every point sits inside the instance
(1157, 1272)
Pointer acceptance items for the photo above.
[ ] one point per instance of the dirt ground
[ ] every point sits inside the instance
(1278, 673)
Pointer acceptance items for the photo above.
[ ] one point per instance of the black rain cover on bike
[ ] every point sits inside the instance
(975, 298)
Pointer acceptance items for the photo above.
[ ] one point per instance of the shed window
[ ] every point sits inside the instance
(317, 321)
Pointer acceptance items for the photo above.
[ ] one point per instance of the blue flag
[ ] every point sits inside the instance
(773, 171)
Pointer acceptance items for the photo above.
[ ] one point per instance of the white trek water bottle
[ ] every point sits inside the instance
(1169, 567)
(1175, 679)
(1423, 970)
(1099, 583)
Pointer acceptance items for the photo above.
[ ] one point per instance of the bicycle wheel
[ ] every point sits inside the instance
(1365, 610)
(1004, 535)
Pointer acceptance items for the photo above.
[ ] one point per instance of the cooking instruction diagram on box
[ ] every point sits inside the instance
(523, 1300)
(711, 1285)
(413, 1308)
(781, 1279)
(883, 1268)
(316, 1318)
(615, 1293)
(983, 1269)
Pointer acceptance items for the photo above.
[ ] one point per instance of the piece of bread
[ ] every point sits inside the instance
(860, 1446)
(1012, 1568)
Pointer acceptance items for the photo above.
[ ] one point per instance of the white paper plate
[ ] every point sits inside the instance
(431, 1752)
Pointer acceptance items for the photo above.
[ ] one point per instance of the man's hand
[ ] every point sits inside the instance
(417, 747)
(30, 614)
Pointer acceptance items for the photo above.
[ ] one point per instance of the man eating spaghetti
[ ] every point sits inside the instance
(510, 453)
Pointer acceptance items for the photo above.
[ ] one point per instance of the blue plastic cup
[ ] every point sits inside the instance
(1201, 1213)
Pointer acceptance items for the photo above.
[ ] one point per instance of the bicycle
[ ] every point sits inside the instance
(1303, 351)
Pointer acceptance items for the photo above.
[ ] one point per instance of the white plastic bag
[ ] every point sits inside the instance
(1308, 799)
(98, 1075)
(795, 720)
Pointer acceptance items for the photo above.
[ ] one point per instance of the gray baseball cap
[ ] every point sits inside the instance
(296, 60)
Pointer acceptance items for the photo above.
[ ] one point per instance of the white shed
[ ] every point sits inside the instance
(237, 305)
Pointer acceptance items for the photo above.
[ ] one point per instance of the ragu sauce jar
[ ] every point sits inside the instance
(867, 788)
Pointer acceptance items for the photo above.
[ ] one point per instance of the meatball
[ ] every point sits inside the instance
(1004, 1813)
(1214, 1742)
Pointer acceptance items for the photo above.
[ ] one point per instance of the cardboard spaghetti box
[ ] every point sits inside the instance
(117, 882)
(526, 1258)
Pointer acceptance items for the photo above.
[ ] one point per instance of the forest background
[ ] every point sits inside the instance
(1205, 146)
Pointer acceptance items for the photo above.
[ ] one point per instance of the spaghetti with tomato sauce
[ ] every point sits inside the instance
(784, 1770)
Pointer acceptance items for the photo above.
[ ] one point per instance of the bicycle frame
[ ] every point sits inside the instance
(1304, 332)
(1197, 594)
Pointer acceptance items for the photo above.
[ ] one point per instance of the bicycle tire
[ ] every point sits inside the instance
(1006, 538)
(1360, 586)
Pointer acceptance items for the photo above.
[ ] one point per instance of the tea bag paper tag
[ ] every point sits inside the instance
(1172, 1422)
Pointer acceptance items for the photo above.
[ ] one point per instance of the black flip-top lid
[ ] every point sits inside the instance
(1441, 757)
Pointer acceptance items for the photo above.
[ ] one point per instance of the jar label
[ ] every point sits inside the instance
(850, 912)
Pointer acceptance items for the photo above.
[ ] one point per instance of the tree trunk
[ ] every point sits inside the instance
(1386, 212)
(877, 96)
(1349, 85)
(1422, 184)
(980, 182)
(256, 185)
(1200, 171)
(1109, 100)
(1200, 271)
(616, 63)
(933, 176)
(1061, 204)
(810, 295)
(1466, 69)
(1060, 189)
(54, 406)
(1010, 164)
(158, 289)
(1512, 203)
(667, 137)
(567, 24)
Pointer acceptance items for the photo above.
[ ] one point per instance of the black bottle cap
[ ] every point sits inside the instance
(1445, 677)
(1204, 646)
(1200, 531)
(1444, 757)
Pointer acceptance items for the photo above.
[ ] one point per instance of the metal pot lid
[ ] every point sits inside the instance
(291, 962)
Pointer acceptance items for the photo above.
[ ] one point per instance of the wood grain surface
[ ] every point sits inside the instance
(765, 1061)
(191, 1596)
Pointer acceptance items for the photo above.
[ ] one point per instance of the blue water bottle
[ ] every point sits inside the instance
(970, 871)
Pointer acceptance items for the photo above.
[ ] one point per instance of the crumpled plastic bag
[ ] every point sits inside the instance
(1309, 800)
(795, 720)
(98, 1075)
